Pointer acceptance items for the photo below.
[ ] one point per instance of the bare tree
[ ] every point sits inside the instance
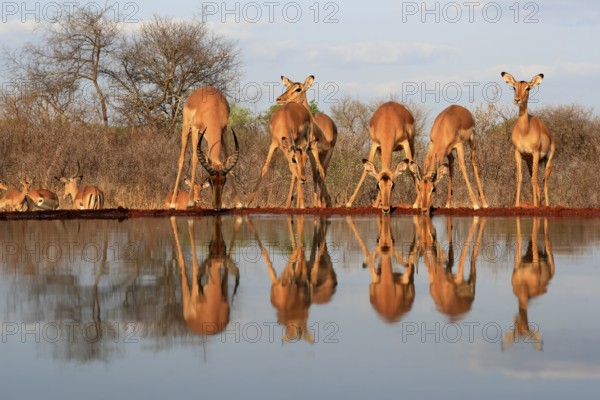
(74, 49)
(157, 66)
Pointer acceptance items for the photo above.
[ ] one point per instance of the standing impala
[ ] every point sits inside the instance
(207, 110)
(451, 129)
(87, 198)
(290, 131)
(391, 129)
(530, 138)
(15, 200)
(322, 138)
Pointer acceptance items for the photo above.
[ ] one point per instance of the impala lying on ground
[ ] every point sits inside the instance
(530, 138)
(531, 276)
(88, 197)
(183, 196)
(391, 129)
(207, 110)
(391, 292)
(15, 200)
(42, 199)
(451, 129)
(323, 137)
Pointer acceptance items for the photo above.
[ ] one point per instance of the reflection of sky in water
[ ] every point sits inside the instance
(147, 351)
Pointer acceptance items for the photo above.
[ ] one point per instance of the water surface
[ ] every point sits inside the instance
(300, 307)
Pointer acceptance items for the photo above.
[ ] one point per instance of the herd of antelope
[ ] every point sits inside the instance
(300, 135)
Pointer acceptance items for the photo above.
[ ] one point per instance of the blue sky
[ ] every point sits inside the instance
(429, 53)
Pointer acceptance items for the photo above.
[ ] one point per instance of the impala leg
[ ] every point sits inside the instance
(450, 176)
(195, 131)
(476, 173)
(300, 193)
(288, 202)
(409, 156)
(461, 161)
(374, 147)
(534, 181)
(184, 139)
(265, 168)
(315, 159)
(547, 172)
(518, 162)
(325, 163)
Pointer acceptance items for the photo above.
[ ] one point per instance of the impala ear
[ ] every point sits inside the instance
(508, 78)
(536, 80)
(309, 81)
(370, 168)
(286, 81)
(63, 180)
(402, 166)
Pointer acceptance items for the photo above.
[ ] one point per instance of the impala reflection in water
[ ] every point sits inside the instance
(93, 305)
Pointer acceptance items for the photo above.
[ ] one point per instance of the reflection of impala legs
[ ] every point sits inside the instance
(531, 276)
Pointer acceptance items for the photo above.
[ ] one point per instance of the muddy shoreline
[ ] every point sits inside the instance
(123, 213)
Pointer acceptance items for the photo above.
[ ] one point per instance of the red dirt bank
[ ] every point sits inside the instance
(122, 213)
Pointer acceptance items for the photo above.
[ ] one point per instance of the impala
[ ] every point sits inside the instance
(451, 129)
(291, 292)
(391, 129)
(15, 200)
(206, 306)
(322, 138)
(290, 128)
(182, 196)
(42, 199)
(88, 197)
(452, 294)
(531, 276)
(530, 138)
(391, 293)
(207, 110)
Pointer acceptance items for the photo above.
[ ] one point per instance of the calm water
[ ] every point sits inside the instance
(300, 307)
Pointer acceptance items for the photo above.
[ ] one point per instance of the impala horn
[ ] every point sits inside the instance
(233, 159)
(202, 157)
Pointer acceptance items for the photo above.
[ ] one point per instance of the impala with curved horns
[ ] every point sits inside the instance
(15, 200)
(217, 172)
(89, 197)
(206, 306)
(451, 129)
(322, 138)
(391, 129)
(206, 110)
(530, 138)
(290, 131)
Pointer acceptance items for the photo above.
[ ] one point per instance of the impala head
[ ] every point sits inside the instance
(71, 184)
(522, 88)
(385, 182)
(427, 182)
(296, 156)
(217, 173)
(295, 91)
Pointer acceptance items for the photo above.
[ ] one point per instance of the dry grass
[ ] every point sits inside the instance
(136, 168)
